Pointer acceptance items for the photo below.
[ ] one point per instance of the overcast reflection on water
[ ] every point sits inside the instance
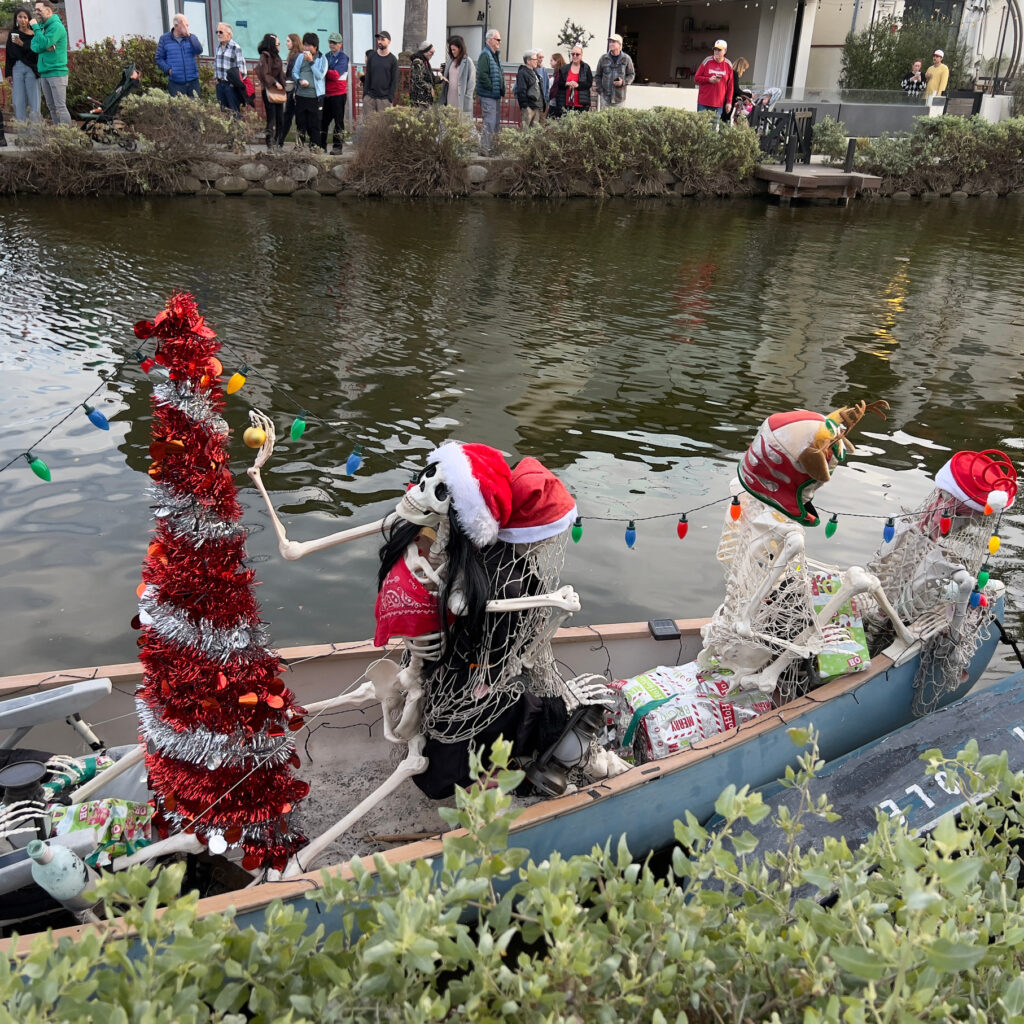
(634, 349)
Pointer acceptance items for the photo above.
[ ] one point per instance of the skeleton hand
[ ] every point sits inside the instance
(566, 598)
(587, 689)
(266, 424)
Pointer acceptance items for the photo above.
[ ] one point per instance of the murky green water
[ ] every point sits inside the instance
(633, 349)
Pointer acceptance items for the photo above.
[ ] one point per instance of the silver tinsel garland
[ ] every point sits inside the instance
(186, 518)
(205, 747)
(196, 405)
(247, 641)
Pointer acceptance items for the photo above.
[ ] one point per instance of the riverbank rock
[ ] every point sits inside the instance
(958, 196)
(279, 185)
(476, 174)
(207, 170)
(232, 184)
(338, 171)
(306, 193)
(328, 186)
(304, 172)
(258, 193)
(189, 185)
(253, 171)
(901, 197)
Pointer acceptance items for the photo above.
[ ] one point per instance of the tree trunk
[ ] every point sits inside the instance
(415, 29)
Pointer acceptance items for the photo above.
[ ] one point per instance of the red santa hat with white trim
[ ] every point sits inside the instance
(541, 506)
(480, 483)
(979, 479)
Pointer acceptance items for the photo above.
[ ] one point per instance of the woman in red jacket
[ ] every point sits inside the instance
(714, 81)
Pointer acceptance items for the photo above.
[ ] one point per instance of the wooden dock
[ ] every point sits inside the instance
(815, 181)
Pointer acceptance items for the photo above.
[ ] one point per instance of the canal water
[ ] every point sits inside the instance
(634, 349)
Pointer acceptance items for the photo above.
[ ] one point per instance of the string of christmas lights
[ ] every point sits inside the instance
(255, 437)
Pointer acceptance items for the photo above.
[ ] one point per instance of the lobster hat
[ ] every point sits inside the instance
(481, 487)
(541, 506)
(974, 476)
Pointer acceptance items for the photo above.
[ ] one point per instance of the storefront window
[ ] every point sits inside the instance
(251, 20)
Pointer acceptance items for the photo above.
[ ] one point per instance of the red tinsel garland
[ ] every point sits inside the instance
(208, 679)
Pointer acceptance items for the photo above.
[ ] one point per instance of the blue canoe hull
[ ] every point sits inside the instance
(643, 803)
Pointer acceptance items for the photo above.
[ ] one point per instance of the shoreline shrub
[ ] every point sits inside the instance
(186, 125)
(637, 146)
(412, 152)
(828, 138)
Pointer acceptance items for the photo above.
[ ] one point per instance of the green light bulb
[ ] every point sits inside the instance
(577, 530)
(40, 468)
(298, 428)
(831, 526)
(983, 577)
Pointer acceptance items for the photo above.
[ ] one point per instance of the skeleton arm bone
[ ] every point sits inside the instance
(290, 549)
(565, 598)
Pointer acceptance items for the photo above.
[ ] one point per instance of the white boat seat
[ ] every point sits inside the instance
(21, 714)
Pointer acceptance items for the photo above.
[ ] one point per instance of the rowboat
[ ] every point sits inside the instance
(640, 804)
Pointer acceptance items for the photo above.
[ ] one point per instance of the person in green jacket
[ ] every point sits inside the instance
(51, 43)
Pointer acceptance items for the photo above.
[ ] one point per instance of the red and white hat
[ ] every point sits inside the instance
(980, 478)
(541, 506)
(481, 487)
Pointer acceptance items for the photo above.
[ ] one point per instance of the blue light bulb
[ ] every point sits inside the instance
(355, 460)
(96, 418)
(630, 534)
(889, 530)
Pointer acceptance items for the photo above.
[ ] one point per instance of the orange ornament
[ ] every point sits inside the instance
(249, 699)
(140, 590)
(275, 701)
(215, 365)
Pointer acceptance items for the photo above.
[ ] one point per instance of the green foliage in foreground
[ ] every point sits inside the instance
(640, 147)
(918, 929)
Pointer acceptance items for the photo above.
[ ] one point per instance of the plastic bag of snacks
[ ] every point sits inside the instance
(669, 708)
(121, 827)
(850, 654)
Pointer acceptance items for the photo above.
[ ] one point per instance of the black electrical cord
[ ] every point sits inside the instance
(1007, 638)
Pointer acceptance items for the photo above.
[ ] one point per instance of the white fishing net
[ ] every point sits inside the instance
(751, 627)
(470, 686)
(921, 571)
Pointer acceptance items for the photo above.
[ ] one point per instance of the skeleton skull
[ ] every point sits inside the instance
(427, 502)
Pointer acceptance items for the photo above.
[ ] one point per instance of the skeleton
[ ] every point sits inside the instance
(402, 690)
(766, 623)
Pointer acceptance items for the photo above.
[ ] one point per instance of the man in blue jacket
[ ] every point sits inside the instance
(176, 57)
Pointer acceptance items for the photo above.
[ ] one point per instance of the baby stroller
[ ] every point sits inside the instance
(101, 123)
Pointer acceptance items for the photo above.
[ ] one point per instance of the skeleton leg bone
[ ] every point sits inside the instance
(413, 764)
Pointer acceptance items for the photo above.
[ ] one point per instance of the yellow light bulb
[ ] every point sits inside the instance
(237, 380)
(993, 544)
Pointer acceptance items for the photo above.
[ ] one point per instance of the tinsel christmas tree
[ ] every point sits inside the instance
(215, 714)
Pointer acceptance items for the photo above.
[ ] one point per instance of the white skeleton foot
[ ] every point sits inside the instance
(604, 764)
(413, 764)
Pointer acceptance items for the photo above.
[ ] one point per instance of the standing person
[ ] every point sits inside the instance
(739, 68)
(270, 73)
(228, 69)
(544, 77)
(20, 68)
(176, 57)
(557, 63)
(50, 44)
(310, 74)
(528, 94)
(380, 79)
(614, 73)
(913, 81)
(490, 87)
(335, 92)
(575, 79)
(936, 77)
(421, 77)
(293, 44)
(459, 78)
(714, 80)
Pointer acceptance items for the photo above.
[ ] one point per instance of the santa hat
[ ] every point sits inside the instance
(541, 506)
(480, 483)
(980, 478)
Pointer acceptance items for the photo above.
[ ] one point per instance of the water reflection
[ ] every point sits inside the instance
(634, 348)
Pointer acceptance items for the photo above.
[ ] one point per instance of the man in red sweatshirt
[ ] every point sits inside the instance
(714, 81)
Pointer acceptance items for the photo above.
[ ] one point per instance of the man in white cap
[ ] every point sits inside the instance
(613, 73)
(714, 82)
(936, 77)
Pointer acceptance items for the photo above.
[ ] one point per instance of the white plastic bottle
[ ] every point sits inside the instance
(65, 876)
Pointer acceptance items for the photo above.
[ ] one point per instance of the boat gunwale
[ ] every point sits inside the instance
(259, 897)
